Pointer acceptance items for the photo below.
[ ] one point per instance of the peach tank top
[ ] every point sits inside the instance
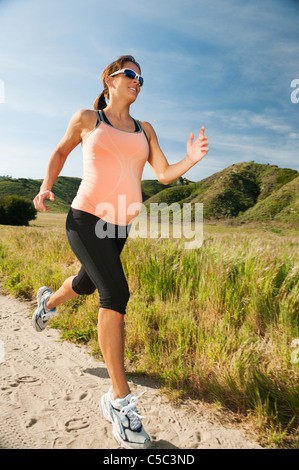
(113, 162)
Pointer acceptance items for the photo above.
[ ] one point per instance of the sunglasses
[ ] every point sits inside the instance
(130, 74)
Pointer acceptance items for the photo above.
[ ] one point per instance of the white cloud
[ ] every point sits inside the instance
(248, 120)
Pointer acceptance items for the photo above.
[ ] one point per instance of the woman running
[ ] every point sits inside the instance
(115, 149)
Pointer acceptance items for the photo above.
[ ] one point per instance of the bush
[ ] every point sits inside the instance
(16, 210)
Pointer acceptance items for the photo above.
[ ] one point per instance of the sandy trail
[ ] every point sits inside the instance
(50, 390)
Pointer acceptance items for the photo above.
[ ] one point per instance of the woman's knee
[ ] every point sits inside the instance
(121, 300)
(116, 301)
(83, 286)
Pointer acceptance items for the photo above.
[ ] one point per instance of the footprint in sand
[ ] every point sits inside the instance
(16, 381)
(27, 379)
(31, 422)
(75, 396)
(75, 424)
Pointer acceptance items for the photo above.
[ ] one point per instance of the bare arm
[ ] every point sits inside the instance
(73, 136)
(166, 173)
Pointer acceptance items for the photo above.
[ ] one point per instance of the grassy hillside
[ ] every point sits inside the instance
(65, 189)
(151, 187)
(243, 191)
(231, 192)
(281, 205)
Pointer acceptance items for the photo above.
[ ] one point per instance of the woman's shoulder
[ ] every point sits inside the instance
(84, 114)
(84, 118)
(148, 128)
(146, 124)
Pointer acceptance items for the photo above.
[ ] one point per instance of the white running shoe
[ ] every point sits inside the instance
(127, 427)
(42, 314)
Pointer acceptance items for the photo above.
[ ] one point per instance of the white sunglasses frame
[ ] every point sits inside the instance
(123, 71)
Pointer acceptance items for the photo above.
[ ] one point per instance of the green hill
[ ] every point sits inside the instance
(231, 192)
(152, 187)
(64, 188)
(281, 205)
(244, 191)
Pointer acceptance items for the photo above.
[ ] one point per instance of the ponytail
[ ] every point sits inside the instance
(100, 102)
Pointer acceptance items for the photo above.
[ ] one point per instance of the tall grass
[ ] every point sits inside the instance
(214, 323)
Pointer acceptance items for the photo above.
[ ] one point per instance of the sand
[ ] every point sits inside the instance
(50, 390)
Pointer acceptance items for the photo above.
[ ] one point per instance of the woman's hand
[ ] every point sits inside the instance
(199, 148)
(38, 201)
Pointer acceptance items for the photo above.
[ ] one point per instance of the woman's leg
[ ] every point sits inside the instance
(112, 343)
(100, 258)
(64, 293)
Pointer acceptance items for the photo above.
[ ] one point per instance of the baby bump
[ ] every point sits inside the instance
(121, 206)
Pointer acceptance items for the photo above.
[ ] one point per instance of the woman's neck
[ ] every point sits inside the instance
(118, 111)
(119, 116)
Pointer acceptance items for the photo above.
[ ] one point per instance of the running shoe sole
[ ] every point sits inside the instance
(40, 292)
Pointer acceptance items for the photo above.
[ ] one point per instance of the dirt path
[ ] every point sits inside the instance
(49, 394)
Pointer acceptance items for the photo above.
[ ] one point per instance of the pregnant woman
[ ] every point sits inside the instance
(115, 149)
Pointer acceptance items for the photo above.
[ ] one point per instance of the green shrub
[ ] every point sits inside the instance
(16, 210)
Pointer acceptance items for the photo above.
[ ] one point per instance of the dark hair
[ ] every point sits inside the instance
(100, 102)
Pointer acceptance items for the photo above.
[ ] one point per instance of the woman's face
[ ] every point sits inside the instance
(125, 86)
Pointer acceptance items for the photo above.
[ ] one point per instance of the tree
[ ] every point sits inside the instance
(16, 210)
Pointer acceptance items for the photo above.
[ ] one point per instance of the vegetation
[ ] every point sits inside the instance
(215, 323)
(243, 192)
(16, 210)
(238, 190)
(64, 188)
(281, 205)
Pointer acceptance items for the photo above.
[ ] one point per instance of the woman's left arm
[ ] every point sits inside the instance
(166, 173)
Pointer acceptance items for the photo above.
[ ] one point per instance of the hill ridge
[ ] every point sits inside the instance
(245, 191)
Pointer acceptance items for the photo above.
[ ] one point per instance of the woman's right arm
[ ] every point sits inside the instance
(79, 123)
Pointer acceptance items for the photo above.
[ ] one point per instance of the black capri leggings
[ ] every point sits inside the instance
(100, 259)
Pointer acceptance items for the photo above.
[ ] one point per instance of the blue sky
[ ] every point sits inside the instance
(227, 65)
